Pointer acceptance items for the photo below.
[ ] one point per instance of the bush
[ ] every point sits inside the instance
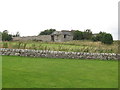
(47, 32)
(107, 39)
(94, 39)
(6, 36)
(77, 35)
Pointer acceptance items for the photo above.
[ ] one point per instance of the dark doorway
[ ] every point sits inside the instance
(65, 36)
(52, 38)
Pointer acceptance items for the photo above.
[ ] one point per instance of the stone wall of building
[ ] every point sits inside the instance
(58, 38)
(58, 54)
(68, 38)
(46, 38)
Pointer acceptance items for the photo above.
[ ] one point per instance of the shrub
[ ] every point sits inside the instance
(107, 39)
(94, 39)
(6, 36)
(77, 35)
(47, 32)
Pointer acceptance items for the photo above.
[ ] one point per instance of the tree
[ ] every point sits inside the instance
(5, 31)
(77, 35)
(94, 38)
(87, 34)
(107, 39)
(6, 36)
(47, 32)
(98, 37)
(17, 34)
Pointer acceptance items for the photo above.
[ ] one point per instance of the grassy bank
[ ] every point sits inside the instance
(72, 46)
(25, 72)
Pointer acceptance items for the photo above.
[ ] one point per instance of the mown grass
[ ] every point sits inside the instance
(26, 72)
(72, 46)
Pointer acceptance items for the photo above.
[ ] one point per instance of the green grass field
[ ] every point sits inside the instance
(26, 72)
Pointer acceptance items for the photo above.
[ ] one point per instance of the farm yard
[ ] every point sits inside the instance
(27, 72)
(71, 46)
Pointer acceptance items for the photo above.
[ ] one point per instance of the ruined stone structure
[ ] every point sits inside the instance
(61, 36)
(57, 36)
(46, 38)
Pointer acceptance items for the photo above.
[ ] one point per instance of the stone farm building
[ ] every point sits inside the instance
(57, 36)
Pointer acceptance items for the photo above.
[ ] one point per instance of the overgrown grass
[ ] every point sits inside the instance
(25, 72)
(75, 46)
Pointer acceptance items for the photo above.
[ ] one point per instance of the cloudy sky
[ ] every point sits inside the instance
(29, 17)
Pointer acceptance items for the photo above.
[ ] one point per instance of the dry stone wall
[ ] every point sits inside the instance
(58, 54)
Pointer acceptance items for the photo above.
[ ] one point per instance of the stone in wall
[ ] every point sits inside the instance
(58, 54)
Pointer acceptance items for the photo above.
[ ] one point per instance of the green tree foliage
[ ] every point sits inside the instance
(94, 38)
(98, 37)
(107, 39)
(77, 35)
(47, 32)
(87, 34)
(104, 37)
(6, 36)
(16, 35)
